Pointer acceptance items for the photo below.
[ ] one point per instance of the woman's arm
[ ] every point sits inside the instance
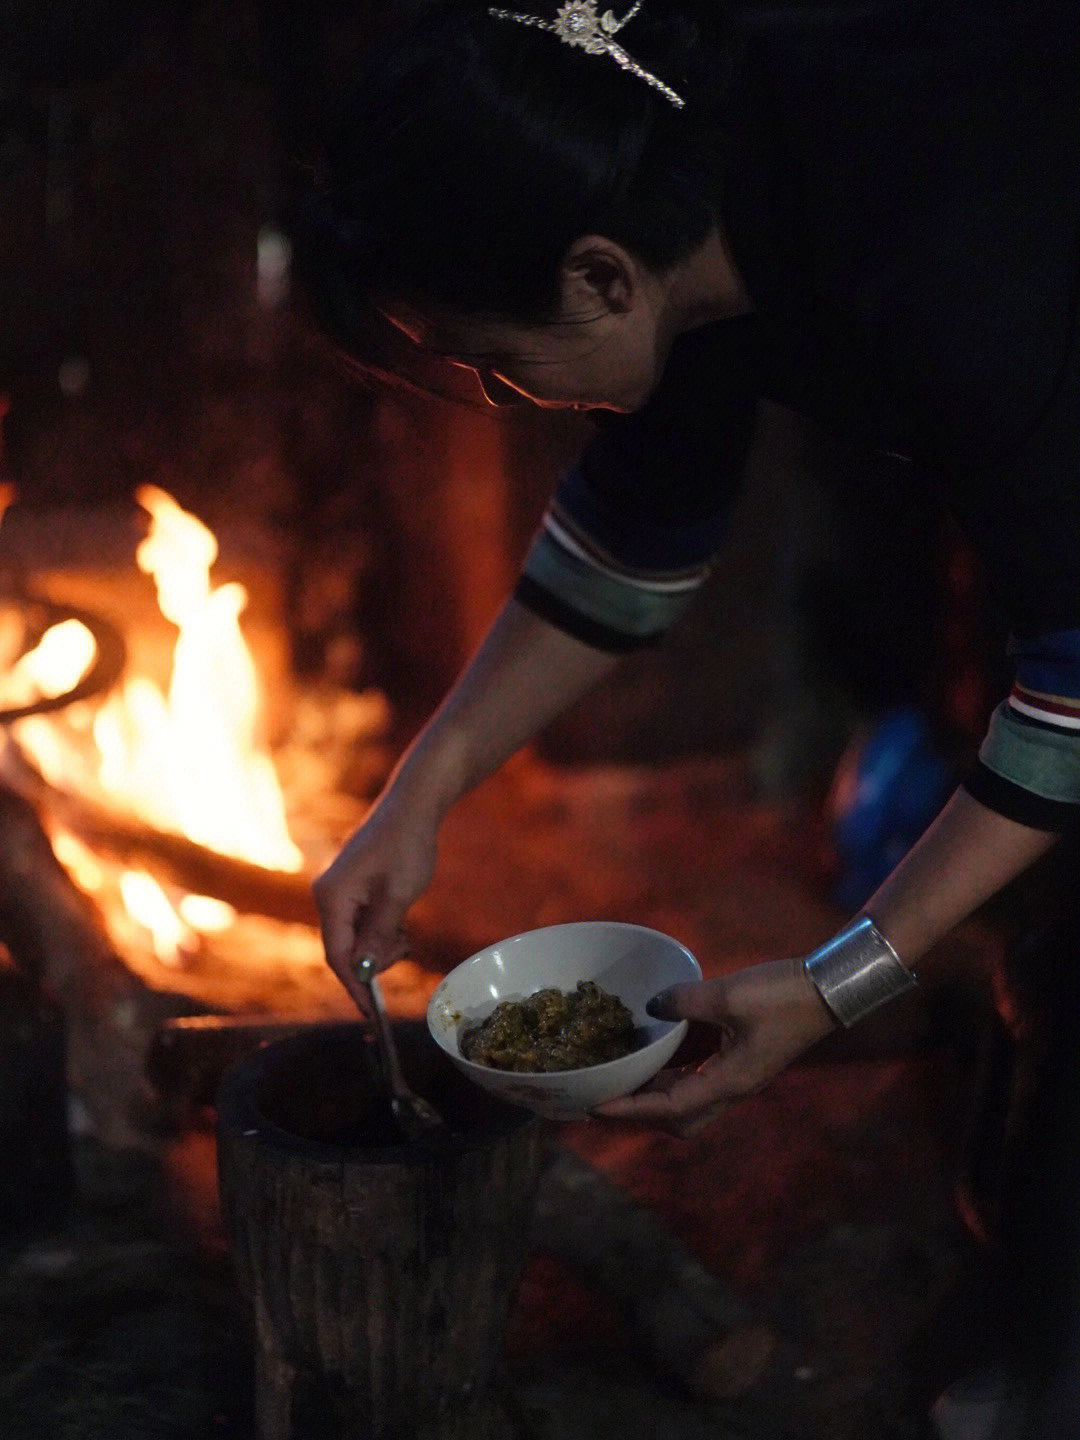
(769, 1014)
(967, 855)
(524, 674)
(622, 551)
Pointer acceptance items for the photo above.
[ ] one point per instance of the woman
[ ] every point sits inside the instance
(867, 211)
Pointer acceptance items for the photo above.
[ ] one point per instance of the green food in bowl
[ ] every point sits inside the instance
(552, 1030)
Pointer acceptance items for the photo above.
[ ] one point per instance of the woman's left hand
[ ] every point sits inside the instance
(767, 1015)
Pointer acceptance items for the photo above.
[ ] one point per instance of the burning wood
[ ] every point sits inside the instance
(78, 655)
(55, 935)
(130, 841)
(178, 785)
(191, 760)
(179, 888)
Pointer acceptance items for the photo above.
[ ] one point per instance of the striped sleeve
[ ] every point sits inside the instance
(572, 581)
(634, 528)
(1029, 764)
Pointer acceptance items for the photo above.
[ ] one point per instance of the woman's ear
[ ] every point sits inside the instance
(598, 275)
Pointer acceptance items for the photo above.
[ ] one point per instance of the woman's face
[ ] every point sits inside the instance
(586, 360)
(608, 343)
(604, 348)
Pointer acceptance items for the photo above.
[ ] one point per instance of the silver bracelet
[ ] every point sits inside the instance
(857, 971)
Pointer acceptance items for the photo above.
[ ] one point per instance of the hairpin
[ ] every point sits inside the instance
(577, 23)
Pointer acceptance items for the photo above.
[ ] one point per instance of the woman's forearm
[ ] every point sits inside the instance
(771, 1013)
(525, 673)
(967, 855)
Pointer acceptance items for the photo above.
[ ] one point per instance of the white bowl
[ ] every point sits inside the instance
(629, 961)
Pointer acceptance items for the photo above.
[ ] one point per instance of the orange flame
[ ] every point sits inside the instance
(192, 761)
(59, 661)
(147, 903)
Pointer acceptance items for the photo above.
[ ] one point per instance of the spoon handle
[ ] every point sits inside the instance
(386, 1038)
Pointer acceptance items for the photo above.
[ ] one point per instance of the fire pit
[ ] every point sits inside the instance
(167, 790)
(380, 1274)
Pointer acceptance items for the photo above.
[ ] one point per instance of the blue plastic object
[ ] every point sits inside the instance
(900, 782)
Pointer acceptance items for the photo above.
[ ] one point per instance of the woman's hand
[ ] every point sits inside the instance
(525, 673)
(363, 896)
(767, 1015)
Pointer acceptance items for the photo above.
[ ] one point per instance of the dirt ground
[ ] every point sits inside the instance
(827, 1203)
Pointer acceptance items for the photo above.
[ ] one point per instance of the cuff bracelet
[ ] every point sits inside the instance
(857, 971)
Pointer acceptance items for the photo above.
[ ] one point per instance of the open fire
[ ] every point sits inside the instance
(189, 758)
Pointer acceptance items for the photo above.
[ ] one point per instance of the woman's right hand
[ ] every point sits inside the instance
(363, 895)
(525, 673)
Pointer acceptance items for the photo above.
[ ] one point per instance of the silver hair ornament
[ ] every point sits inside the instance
(577, 23)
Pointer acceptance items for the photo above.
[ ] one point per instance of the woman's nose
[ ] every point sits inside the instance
(497, 392)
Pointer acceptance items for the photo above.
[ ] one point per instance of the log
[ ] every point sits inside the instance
(188, 1056)
(56, 936)
(35, 1175)
(105, 669)
(278, 894)
(686, 1320)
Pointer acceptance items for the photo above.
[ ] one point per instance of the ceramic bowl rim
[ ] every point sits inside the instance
(445, 1036)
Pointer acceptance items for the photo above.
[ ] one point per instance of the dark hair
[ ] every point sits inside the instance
(464, 153)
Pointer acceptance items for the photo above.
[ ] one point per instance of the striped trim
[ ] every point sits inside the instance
(562, 530)
(1039, 758)
(1057, 710)
(1047, 667)
(628, 610)
(550, 608)
(624, 523)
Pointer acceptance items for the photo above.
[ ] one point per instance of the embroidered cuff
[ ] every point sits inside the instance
(579, 595)
(1033, 756)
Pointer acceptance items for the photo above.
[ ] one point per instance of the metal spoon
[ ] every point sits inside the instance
(415, 1117)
